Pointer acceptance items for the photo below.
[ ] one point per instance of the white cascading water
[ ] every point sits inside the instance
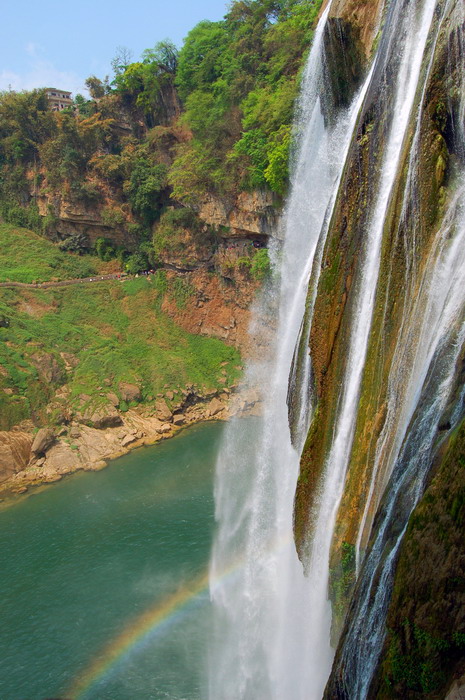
(265, 643)
(271, 623)
(408, 33)
(417, 338)
(434, 329)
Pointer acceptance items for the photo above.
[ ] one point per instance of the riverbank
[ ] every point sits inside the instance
(48, 455)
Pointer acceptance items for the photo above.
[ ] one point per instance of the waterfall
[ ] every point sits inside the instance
(271, 636)
(420, 391)
(263, 612)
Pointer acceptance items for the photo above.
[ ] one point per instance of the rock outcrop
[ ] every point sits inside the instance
(15, 452)
(87, 445)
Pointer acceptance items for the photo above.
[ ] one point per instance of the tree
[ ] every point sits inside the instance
(95, 86)
(121, 59)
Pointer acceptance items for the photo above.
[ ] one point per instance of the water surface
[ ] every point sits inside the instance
(84, 559)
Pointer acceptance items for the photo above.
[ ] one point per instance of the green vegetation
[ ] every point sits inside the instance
(342, 580)
(251, 59)
(113, 331)
(426, 636)
(27, 257)
(212, 117)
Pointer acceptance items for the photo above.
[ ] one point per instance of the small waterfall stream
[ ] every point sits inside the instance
(271, 637)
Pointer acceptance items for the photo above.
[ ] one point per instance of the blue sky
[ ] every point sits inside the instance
(46, 43)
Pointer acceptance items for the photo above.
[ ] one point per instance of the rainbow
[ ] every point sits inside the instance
(151, 621)
(135, 634)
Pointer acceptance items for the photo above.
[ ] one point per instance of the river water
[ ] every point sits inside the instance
(103, 589)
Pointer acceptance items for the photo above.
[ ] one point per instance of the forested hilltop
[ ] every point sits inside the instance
(167, 146)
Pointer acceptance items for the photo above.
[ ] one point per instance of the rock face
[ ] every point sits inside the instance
(15, 451)
(362, 18)
(425, 645)
(42, 441)
(422, 651)
(251, 212)
(73, 217)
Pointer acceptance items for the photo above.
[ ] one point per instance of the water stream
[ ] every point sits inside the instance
(266, 640)
(272, 623)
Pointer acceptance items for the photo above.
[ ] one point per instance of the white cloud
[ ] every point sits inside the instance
(40, 73)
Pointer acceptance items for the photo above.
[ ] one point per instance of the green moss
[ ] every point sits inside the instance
(341, 583)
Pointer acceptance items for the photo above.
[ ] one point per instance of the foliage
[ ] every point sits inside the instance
(260, 266)
(125, 152)
(147, 85)
(75, 243)
(145, 188)
(251, 58)
(104, 249)
(135, 263)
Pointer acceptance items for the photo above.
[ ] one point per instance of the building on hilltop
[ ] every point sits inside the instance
(58, 99)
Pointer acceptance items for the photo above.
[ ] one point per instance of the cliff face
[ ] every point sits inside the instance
(397, 383)
(15, 452)
(423, 653)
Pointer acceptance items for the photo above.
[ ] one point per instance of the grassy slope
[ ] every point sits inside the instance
(27, 257)
(116, 331)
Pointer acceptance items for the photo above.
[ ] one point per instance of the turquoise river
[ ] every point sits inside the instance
(103, 590)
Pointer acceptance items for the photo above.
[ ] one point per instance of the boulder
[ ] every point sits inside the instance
(162, 410)
(15, 451)
(113, 399)
(101, 417)
(42, 441)
(163, 429)
(128, 439)
(179, 419)
(129, 392)
(214, 407)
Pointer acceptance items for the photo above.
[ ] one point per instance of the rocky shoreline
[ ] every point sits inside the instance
(29, 459)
